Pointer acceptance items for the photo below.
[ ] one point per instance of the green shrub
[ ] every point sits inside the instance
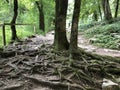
(103, 34)
(21, 32)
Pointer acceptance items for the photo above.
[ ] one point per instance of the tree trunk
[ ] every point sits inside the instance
(7, 1)
(106, 10)
(74, 28)
(13, 28)
(95, 16)
(99, 7)
(116, 8)
(41, 15)
(60, 39)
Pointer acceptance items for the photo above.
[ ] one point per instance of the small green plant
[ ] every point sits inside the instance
(22, 32)
(104, 34)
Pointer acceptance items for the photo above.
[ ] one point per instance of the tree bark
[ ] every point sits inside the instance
(106, 10)
(99, 7)
(74, 28)
(116, 8)
(13, 28)
(7, 1)
(60, 39)
(41, 15)
(95, 16)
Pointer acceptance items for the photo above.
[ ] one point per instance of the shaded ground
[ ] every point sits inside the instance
(34, 65)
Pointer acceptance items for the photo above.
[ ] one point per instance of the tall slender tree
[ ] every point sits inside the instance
(95, 15)
(106, 10)
(41, 15)
(116, 8)
(13, 22)
(60, 39)
(7, 1)
(99, 8)
(74, 28)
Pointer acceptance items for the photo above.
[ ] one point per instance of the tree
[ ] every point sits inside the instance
(106, 10)
(116, 8)
(95, 10)
(60, 39)
(41, 15)
(7, 1)
(90, 10)
(13, 22)
(74, 28)
(95, 16)
(99, 9)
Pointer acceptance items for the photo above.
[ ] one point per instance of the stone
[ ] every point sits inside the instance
(109, 85)
(116, 35)
(92, 40)
(118, 45)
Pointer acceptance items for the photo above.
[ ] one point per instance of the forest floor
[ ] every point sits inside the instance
(34, 65)
(87, 46)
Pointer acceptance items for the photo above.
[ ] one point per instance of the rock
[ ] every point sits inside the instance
(116, 35)
(92, 40)
(118, 45)
(109, 85)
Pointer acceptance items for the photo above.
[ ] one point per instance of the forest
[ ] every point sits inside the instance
(59, 45)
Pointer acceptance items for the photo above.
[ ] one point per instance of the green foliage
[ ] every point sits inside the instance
(27, 14)
(87, 25)
(31, 13)
(104, 34)
(106, 41)
(88, 8)
(21, 32)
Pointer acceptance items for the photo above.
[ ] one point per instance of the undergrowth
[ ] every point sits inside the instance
(107, 35)
(22, 32)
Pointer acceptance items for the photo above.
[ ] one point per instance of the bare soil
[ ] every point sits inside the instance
(85, 44)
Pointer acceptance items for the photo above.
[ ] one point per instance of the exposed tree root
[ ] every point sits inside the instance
(56, 84)
(85, 72)
(13, 87)
(7, 54)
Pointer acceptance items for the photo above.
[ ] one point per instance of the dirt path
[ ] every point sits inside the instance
(84, 43)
